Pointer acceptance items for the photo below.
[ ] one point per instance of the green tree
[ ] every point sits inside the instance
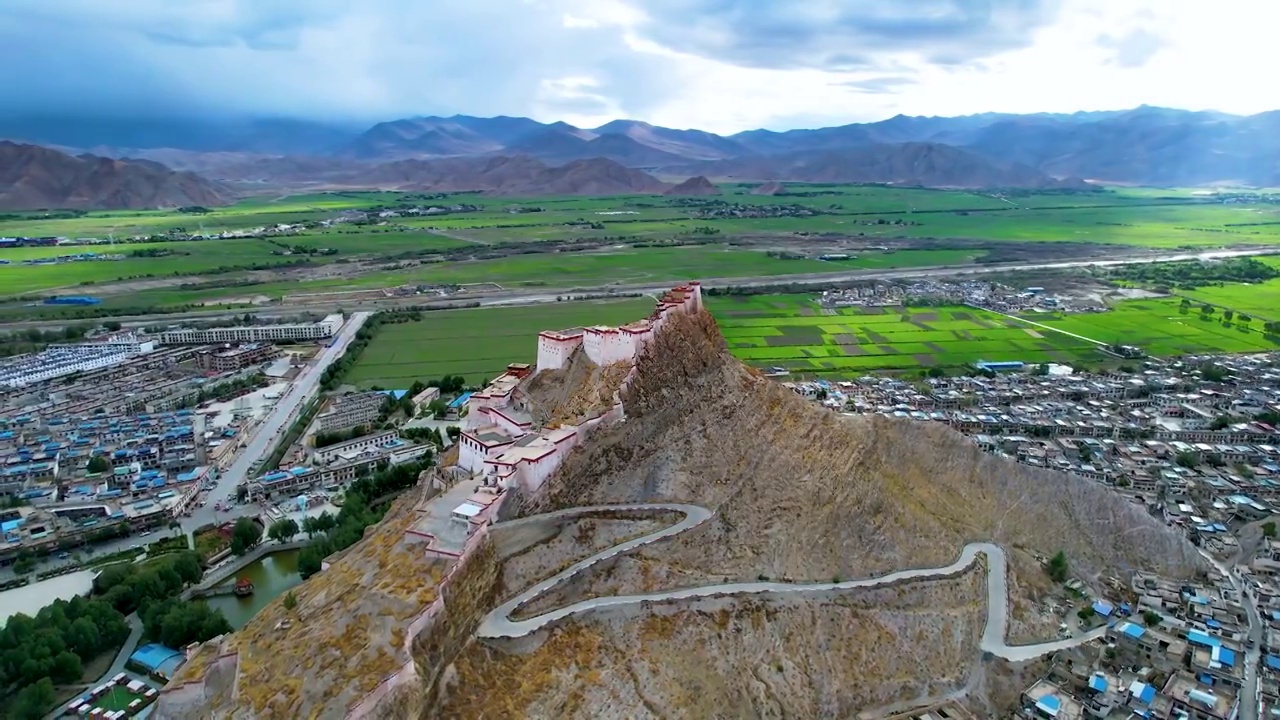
(245, 535)
(24, 565)
(1187, 459)
(98, 464)
(112, 325)
(290, 601)
(283, 530)
(1151, 618)
(1269, 528)
(1220, 422)
(1085, 612)
(1057, 567)
(34, 701)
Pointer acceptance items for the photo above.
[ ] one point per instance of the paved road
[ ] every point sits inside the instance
(131, 644)
(1249, 698)
(499, 624)
(277, 422)
(548, 295)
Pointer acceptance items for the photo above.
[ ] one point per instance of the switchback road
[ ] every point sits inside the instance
(499, 623)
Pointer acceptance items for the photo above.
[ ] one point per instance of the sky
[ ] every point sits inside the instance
(717, 65)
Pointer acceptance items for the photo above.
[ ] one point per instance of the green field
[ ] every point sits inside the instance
(479, 343)
(1146, 217)
(1261, 300)
(1163, 328)
(794, 332)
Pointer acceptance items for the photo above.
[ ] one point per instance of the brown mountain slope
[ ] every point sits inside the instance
(698, 185)
(803, 493)
(36, 177)
(519, 175)
(703, 428)
(925, 164)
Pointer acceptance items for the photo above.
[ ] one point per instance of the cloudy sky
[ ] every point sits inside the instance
(719, 65)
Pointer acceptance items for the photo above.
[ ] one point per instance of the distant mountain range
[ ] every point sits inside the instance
(34, 177)
(1146, 145)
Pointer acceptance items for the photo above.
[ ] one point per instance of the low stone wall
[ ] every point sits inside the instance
(220, 575)
(434, 638)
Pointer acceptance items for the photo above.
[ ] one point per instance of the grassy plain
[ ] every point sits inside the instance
(477, 343)
(1140, 217)
(1163, 328)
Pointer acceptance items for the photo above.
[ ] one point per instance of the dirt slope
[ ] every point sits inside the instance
(519, 175)
(33, 177)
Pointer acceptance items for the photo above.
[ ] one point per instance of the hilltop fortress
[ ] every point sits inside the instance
(499, 441)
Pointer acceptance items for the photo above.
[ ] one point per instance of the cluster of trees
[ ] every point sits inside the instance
(1194, 273)
(245, 535)
(1057, 567)
(325, 439)
(282, 531)
(52, 647)
(178, 623)
(329, 533)
(1211, 372)
(34, 339)
(431, 435)
(132, 586)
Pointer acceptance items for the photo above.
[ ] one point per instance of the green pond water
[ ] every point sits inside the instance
(272, 576)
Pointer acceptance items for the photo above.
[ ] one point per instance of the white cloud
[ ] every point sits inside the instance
(726, 65)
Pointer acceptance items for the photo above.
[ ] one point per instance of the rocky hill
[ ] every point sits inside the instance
(804, 494)
(769, 188)
(698, 185)
(34, 177)
(925, 164)
(798, 493)
(520, 175)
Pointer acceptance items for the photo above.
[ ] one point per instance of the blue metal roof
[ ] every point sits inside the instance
(1050, 704)
(1098, 683)
(1200, 638)
(1226, 657)
(1102, 607)
(1273, 662)
(1133, 630)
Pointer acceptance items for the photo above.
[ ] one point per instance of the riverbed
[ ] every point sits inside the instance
(272, 576)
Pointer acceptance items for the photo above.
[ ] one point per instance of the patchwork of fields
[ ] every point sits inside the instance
(794, 332)
(479, 343)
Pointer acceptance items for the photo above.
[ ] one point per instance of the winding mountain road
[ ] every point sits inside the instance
(499, 624)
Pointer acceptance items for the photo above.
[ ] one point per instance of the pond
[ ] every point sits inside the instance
(272, 576)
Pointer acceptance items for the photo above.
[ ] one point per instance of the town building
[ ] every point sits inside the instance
(231, 358)
(62, 360)
(325, 328)
(352, 410)
(356, 446)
